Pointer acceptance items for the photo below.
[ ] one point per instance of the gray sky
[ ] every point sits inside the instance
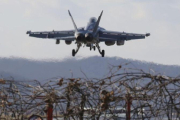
(159, 17)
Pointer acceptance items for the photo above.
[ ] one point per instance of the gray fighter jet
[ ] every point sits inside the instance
(91, 36)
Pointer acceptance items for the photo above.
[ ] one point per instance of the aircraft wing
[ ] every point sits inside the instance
(61, 35)
(105, 35)
(69, 38)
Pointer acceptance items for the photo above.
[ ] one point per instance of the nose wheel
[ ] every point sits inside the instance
(94, 47)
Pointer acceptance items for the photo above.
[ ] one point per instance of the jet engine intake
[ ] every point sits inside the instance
(80, 37)
(68, 42)
(120, 42)
(88, 36)
(109, 43)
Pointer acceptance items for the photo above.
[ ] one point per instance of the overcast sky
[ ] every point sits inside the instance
(159, 17)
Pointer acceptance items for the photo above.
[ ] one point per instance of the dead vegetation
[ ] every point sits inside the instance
(125, 93)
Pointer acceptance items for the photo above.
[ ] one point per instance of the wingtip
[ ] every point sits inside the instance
(148, 34)
(28, 32)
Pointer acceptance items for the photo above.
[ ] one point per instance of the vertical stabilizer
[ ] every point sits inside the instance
(97, 23)
(75, 27)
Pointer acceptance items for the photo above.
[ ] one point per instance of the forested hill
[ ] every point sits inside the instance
(93, 67)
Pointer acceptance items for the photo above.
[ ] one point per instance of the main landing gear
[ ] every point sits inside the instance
(99, 49)
(75, 51)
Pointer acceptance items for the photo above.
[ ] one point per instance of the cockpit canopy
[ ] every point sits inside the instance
(92, 20)
(91, 24)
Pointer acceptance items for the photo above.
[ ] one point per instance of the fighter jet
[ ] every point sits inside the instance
(90, 36)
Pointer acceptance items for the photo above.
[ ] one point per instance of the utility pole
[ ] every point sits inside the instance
(128, 107)
(49, 111)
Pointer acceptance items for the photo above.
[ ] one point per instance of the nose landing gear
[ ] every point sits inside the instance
(94, 47)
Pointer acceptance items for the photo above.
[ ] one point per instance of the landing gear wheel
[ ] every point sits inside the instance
(73, 52)
(103, 52)
(90, 48)
(94, 47)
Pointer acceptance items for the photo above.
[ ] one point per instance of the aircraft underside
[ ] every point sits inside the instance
(91, 46)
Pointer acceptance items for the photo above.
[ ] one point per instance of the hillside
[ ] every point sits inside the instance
(93, 67)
